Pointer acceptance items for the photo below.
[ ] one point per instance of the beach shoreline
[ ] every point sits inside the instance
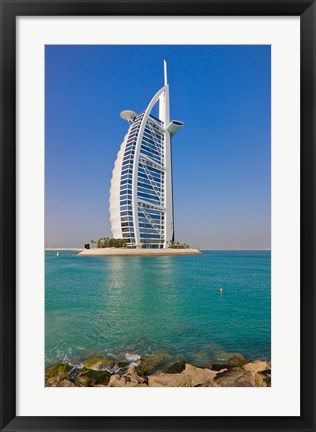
(137, 252)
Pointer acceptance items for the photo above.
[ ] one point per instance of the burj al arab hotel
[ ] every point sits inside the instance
(141, 201)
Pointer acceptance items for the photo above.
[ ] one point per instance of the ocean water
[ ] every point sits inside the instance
(115, 305)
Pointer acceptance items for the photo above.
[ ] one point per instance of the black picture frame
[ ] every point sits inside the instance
(10, 9)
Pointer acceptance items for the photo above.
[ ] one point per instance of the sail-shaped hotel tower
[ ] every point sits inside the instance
(141, 201)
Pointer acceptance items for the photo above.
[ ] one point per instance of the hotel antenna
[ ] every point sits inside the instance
(165, 72)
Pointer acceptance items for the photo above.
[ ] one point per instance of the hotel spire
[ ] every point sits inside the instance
(165, 72)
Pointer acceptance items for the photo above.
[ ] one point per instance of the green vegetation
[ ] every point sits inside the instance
(106, 242)
(99, 362)
(152, 362)
(91, 378)
(58, 370)
(178, 245)
(122, 364)
(176, 367)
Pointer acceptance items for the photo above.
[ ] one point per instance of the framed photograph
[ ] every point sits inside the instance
(157, 215)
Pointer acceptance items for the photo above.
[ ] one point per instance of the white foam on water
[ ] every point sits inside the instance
(132, 357)
(114, 369)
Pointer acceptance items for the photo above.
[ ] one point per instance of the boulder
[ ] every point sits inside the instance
(91, 378)
(200, 377)
(58, 370)
(117, 381)
(120, 381)
(263, 379)
(191, 376)
(235, 377)
(54, 381)
(260, 380)
(256, 366)
(66, 383)
(237, 360)
(130, 379)
(56, 374)
(150, 363)
(161, 379)
(209, 365)
(229, 359)
(261, 372)
(59, 381)
(98, 363)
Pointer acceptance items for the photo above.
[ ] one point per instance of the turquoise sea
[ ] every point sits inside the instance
(111, 306)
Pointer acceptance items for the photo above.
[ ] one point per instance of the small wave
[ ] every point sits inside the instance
(115, 369)
(132, 357)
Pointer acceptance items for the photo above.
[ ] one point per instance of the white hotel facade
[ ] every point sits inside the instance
(141, 201)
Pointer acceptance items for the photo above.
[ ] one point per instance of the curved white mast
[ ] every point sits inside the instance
(164, 115)
(152, 103)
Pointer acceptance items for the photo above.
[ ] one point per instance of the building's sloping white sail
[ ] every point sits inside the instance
(115, 218)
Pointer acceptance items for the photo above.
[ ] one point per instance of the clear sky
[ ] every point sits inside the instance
(221, 157)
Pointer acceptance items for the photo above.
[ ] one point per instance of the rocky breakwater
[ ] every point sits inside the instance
(149, 371)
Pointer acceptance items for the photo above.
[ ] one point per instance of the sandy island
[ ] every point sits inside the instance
(137, 252)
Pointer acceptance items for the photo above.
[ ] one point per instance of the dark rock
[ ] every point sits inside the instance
(91, 378)
(57, 373)
(263, 378)
(237, 360)
(98, 363)
(232, 359)
(150, 363)
(176, 367)
(57, 370)
(122, 364)
(209, 365)
(220, 366)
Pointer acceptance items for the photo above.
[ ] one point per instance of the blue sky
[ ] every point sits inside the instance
(221, 157)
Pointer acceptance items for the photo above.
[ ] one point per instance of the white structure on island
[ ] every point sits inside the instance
(141, 201)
